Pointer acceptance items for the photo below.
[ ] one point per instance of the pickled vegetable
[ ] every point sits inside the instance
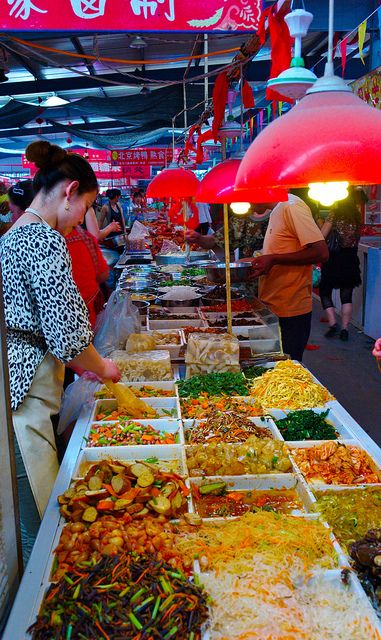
(255, 455)
(213, 502)
(350, 513)
(335, 463)
(131, 488)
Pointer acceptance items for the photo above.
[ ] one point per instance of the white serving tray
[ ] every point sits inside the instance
(263, 482)
(332, 417)
(165, 452)
(163, 425)
(305, 444)
(174, 349)
(166, 408)
(259, 422)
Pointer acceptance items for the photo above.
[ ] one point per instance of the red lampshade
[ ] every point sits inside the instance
(217, 187)
(329, 136)
(173, 183)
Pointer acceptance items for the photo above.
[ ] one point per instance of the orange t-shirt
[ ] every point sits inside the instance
(286, 289)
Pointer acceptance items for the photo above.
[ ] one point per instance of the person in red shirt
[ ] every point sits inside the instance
(89, 269)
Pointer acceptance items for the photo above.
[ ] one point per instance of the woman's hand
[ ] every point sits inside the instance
(109, 371)
(114, 226)
(377, 348)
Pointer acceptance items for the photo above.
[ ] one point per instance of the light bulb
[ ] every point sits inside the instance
(327, 193)
(240, 208)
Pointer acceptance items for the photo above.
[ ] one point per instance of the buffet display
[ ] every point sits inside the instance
(243, 482)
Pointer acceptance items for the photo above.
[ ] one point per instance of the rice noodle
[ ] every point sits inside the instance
(265, 604)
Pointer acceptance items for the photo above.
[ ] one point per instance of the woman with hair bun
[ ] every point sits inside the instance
(47, 320)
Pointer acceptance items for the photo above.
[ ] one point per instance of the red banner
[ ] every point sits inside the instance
(101, 164)
(105, 170)
(129, 15)
(92, 155)
(144, 156)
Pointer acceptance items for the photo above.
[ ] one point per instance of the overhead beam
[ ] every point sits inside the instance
(58, 85)
(32, 67)
(90, 126)
(90, 67)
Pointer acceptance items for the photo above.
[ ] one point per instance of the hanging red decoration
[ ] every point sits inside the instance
(184, 211)
(69, 140)
(280, 47)
(220, 97)
(203, 137)
(39, 120)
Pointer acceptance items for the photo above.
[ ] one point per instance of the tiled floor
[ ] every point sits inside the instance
(349, 371)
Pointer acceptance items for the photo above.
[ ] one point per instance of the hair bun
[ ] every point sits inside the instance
(44, 154)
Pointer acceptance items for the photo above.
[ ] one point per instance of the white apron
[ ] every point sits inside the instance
(34, 430)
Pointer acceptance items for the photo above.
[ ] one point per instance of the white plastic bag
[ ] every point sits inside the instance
(116, 323)
(78, 394)
(169, 246)
(138, 231)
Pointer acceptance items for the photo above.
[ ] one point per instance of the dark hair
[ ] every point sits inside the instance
(56, 165)
(21, 194)
(112, 193)
(347, 210)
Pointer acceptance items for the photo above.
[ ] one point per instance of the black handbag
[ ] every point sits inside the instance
(333, 241)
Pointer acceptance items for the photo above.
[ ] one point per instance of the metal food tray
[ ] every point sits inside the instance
(162, 425)
(263, 482)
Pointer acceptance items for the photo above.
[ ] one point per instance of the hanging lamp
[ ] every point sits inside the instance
(230, 128)
(217, 187)
(174, 182)
(295, 81)
(330, 136)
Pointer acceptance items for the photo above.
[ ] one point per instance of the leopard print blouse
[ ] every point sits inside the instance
(43, 308)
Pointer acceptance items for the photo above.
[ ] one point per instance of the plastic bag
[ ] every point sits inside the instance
(316, 276)
(116, 323)
(170, 247)
(138, 231)
(138, 236)
(77, 395)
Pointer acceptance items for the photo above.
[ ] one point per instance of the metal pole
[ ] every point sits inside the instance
(227, 253)
(206, 69)
(329, 70)
(185, 106)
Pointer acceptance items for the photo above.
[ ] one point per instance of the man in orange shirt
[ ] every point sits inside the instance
(292, 244)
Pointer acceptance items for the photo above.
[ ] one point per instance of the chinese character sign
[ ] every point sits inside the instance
(131, 15)
(148, 156)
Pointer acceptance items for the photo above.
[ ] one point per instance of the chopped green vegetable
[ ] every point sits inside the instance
(213, 384)
(306, 425)
(254, 372)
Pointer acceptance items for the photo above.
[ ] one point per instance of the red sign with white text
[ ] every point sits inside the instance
(144, 156)
(129, 15)
(92, 155)
(100, 162)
